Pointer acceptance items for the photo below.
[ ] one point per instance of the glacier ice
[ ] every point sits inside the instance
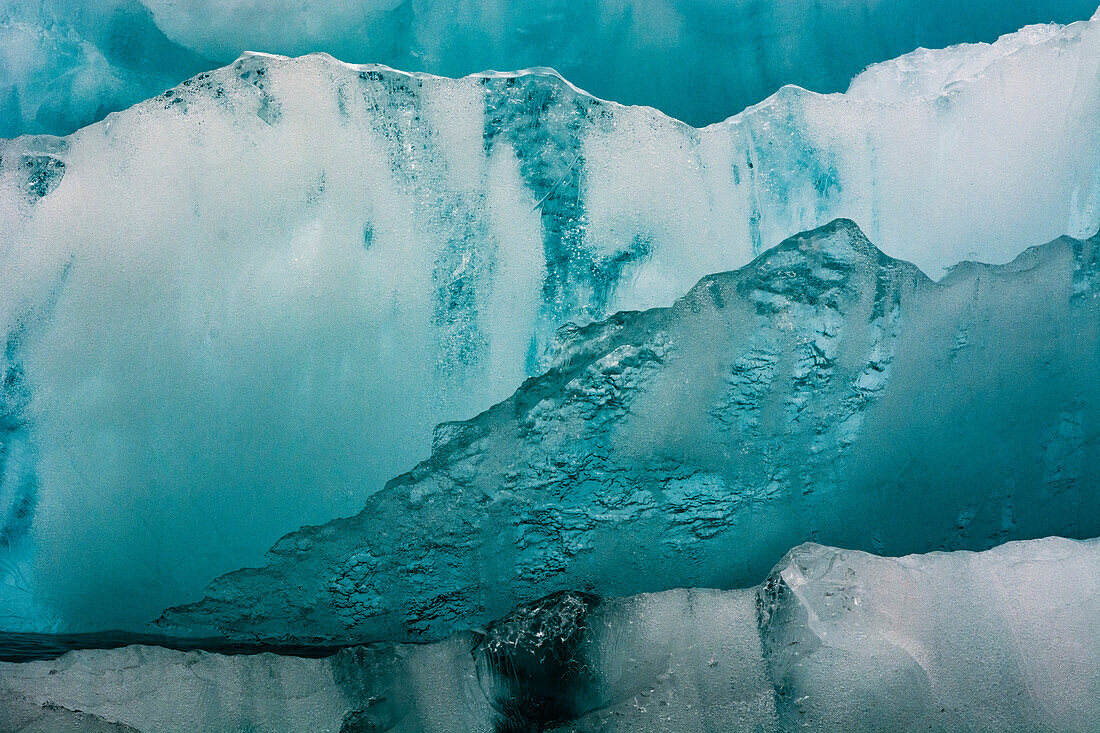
(823, 392)
(859, 643)
(833, 640)
(242, 306)
(66, 63)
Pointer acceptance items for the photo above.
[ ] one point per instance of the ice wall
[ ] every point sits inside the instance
(66, 63)
(248, 301)
(149, 689)
(824, 392)
(834, 640)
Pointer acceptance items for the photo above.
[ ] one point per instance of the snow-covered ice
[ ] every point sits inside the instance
(67, 63)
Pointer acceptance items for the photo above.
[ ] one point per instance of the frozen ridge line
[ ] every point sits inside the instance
(922, 73)
(688, 446)
(833, 640)
(66, 64)
(935, 72)
(544, 71)
(339, 259)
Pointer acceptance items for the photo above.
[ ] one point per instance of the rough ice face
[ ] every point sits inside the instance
(66, 63)
(859, 643)
(23, 716)
(824, 392)
(834, 640)
(155, 689)
(242, 306)
(385, 687)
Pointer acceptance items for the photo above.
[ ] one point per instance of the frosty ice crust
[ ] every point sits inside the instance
(67, 63)
(274, 280)
(825, 388)
(834, 640)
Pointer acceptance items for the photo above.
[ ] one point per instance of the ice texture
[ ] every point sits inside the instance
(823, 392)
(153, 689)
(834, 640)
(242, 306)
(66, 63)
(383, 687)
(1004, 640)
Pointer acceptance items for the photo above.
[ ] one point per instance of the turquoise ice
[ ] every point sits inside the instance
(67, 63)
(824, 392)
(242, 306)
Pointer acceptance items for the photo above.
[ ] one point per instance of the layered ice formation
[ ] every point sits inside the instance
(625, 364)
(242, 306)
(824, 392)
(66, 63)
(834, 640)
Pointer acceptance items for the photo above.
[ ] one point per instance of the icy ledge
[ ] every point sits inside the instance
(65, 63)
(834, 640)
(242, 306)
(824, 392)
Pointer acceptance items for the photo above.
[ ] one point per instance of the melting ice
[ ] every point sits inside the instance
(242, 306)
(823, 392)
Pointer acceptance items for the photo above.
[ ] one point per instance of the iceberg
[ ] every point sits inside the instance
(825, 392)
(833, 640)
(66, 63)
(241, 306)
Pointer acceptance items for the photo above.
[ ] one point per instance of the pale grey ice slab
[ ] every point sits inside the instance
(835, 640)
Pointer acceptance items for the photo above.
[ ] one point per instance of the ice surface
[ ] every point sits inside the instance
(994, 641)
(66, 63)
(154, 689)
(242, 306)
(385, 687)
(834, 640)
(824, 392)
